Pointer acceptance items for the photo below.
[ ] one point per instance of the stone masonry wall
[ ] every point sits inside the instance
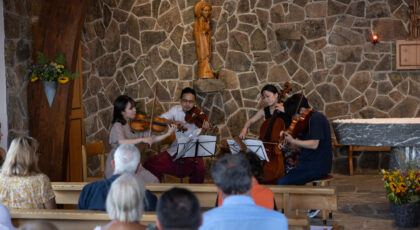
(18, 37)
(134, 46)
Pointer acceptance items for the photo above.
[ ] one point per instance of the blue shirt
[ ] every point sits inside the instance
(319, 159)
(93, 196)
(240, 212)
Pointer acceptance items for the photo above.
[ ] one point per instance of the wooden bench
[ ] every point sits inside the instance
(287, 197)
(66, 219)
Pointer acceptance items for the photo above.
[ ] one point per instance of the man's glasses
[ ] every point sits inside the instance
(185, 101)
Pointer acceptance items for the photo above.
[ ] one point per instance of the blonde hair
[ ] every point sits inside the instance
(21, 159)
(199, 6)
(125, 198)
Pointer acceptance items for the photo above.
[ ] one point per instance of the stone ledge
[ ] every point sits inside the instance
(208, 85)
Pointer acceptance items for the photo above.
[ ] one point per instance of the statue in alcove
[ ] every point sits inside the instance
(202, 36)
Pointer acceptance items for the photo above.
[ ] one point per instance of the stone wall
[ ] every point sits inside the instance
(18, 37)
(133, 47)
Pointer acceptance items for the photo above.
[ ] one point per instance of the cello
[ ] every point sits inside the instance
(270, 135)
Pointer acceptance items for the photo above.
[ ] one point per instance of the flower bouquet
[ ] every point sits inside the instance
(47, 70)
(403, 189)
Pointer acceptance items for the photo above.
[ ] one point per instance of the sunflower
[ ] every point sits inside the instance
(34, 79)
(393, 186)
(402, 187)
(63, 79)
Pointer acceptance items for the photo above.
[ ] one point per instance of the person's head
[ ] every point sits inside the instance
(126, 159)
(124, 109)
(269, 94)
(188, 97)
(5, 219)
(178, 208)
(22, 158)
(232, 174)
(125, 198)
(255, 163)
(202, 9)
(292, 105)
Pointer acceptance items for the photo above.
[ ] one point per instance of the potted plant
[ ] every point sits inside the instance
(403, 191)
(50, 73)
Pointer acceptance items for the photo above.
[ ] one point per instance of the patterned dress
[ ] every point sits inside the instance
(30, 192)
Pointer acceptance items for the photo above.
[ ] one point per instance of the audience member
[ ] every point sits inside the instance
(261, 195)
(178, 208)
(232, 176)
(38, 225)
(124, 203)
(5, 220)
(126, 160)
(22, 185)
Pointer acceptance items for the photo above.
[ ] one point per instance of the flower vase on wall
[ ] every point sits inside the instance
(50, 87)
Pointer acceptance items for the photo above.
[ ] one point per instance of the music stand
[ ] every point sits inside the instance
(193, 147)
(255, 146)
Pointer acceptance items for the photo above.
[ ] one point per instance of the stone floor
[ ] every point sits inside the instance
(361, 203)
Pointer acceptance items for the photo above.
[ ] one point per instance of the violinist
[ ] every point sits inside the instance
(121, 133)
(270, 96)
(163, 162)
(314, 140)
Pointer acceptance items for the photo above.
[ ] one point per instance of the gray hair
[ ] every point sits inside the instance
(127, 158)
(232, 174)
(125, 198)
(38, 225)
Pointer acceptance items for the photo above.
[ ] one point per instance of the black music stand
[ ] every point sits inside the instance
(201, 146)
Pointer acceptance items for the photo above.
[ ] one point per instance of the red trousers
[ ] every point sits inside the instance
(163, 163)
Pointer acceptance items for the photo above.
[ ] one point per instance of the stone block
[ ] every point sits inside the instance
(237, 61)
(170, 20)
(329, 92)
(287, 34)
(278, 74)
(247, 80)
(229, 78)
(208, 85)
(239, 41)
(389, 29)
(316, 10)
(151, 38)
(168, 70)
(349, 54)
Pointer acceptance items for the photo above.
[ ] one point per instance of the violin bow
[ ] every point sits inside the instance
(153, 110)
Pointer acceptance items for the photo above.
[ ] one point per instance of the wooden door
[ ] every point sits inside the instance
(76, 135)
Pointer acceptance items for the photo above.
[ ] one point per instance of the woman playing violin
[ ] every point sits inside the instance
(314, 140)
(163, 162)
(270, 96)
(121, 133)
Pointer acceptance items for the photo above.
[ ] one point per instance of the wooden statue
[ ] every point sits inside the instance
(414, 25)
(202, 36)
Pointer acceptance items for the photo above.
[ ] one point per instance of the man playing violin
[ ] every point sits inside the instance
(163, 162)
(314, 141)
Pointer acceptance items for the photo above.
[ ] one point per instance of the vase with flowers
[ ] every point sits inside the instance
(403, 191)
(50, 72)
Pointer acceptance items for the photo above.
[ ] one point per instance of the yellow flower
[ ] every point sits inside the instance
(34, 79)
(402, 187)
(411, 176)
(63, 79)
(396, 173)
(393, 186)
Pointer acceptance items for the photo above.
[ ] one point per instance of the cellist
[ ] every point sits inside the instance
(275, 121)
(314, 140)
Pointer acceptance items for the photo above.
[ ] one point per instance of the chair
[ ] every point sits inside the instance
(93, 149)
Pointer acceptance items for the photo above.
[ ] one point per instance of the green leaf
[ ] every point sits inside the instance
(42, 59)
(60, 59)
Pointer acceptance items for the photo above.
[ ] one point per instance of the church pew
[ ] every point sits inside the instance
(81, 219)
(287, 197)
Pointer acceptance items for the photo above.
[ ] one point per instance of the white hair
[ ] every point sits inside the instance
(125, 198)
(127, 158)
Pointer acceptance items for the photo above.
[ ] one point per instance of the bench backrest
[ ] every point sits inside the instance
(66, 219)
(287, 197)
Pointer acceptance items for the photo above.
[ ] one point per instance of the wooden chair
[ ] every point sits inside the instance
(93, 149)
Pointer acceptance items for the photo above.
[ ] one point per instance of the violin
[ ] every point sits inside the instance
(196, 116)
(141, 123)
(300, 126)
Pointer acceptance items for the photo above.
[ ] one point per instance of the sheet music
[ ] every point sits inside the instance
(256, 146)
(187, 146)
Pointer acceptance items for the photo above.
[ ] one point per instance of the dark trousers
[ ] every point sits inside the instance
(163, 163)
(302, 174)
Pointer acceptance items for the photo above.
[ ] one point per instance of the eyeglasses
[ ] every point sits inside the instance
(185, 101)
